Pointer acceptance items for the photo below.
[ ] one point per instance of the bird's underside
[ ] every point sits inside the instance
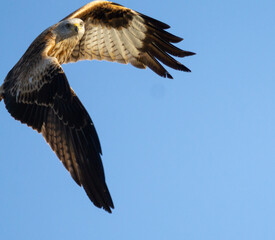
(37, 93)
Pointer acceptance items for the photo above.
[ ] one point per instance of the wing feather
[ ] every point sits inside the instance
(49, 105)
(37, 93)
(109, 46)
(153, 64)
(118, 45)
(116, 33)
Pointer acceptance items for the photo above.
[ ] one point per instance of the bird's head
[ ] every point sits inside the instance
(69, 28)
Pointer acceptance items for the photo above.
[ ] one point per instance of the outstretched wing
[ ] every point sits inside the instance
(116, 33)
(44, 101)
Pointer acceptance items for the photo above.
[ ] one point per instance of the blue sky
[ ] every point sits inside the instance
(190, 158)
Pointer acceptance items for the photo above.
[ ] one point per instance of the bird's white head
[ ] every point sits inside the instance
(69, 28)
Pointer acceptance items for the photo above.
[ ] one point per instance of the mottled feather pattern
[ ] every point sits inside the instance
(61, 116)
(116, 33)
(37, 93)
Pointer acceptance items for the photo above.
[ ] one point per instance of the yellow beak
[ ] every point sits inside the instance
(76, 27)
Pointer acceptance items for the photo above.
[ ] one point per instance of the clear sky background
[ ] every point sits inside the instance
(190, 158)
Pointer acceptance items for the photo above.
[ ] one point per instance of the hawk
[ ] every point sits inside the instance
(37, 93)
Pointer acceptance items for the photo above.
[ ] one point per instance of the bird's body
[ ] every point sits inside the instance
(37, 93)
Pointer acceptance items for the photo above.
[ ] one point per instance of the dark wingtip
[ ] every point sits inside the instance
(169, 76)
(108, 209)
(106, 204)
(178, 40)
(184, 69)
(189, 53)
(154, 22)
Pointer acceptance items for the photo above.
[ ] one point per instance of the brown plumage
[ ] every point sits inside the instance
(37, 93)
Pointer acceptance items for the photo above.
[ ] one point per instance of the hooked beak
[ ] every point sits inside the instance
(76, 27)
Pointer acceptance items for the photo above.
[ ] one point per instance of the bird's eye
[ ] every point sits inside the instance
(68, 25)
(81, 24)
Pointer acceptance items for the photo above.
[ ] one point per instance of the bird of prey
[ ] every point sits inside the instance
(37, 93)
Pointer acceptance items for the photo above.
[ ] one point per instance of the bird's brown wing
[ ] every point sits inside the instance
(116, 33)
(45, 102)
